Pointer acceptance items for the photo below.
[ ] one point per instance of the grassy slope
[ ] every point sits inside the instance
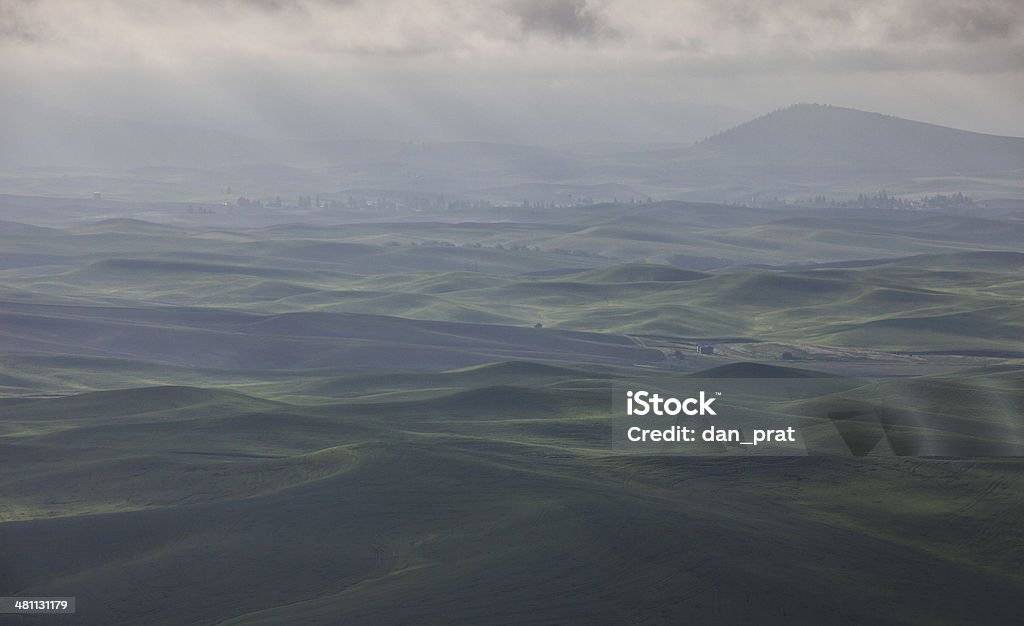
(242, 444)
(471, 510)
(950, 297)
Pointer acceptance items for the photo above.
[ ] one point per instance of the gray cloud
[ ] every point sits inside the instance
(560, 18)
(15, 23)
(963, 23)
(185, 31)
(889, 55)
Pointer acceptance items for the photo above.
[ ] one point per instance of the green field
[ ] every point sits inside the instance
(409, 420)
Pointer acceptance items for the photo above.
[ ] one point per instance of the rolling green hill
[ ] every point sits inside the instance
(398, 421)
(504, 492)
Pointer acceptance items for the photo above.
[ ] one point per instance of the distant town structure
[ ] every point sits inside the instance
(705, 348)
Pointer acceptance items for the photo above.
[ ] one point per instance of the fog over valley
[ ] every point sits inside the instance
(338, 311)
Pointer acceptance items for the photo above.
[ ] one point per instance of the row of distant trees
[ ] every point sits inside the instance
(883, 200)
(878, 200)
(353, 202)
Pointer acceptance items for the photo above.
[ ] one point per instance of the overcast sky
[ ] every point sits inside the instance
(529, 70)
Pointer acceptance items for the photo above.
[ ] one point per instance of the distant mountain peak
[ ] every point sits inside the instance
(817, 136)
